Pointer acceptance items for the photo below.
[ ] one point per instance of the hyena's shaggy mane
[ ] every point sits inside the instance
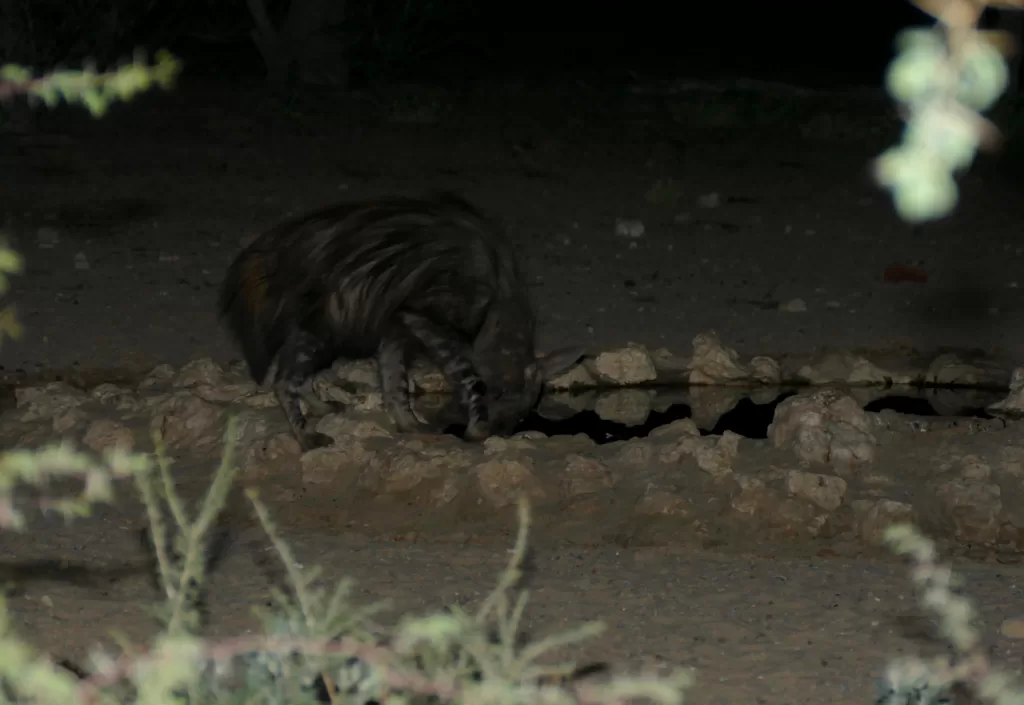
(342, 272)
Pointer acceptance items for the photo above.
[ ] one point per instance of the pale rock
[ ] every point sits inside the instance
(342, 465)
(584, 475)
(104, 433)
(824, 426)
(626, 366)
(716, 457)
(765, 370)
(974, 509)
(183, 419)
(341, 427)
(68, 419)
(948, 369)
(157, 377)
(714, 363)
(844, 366)
(265, 456)
(638, 453)
(502, 481)
(224, 393)
(675, 430)
(826, 491)
(202, 371)
(121, 398)
(658, 501)
(576, 377)
(261, 400)
(874, 517)
(48, 401)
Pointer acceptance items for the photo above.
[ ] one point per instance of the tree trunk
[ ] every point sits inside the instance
(303, 44)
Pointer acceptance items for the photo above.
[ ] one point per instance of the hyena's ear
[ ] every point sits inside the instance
(558, 362)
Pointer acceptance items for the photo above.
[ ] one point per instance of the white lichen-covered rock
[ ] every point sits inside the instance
(714, 363)
(495, 445)
(716, 456)
(159, 376)
(120, 398)
(405, 471)
(261, 400)
(252, 426)
(661, 501)
(203, 371)
(278, 452)
(948, 368)
(824, 426)
(826, 491)
(973, 508)
(503, 480)
(765, 370)
(770, 508)
(625, 366)
(849, 368)
(48, 401)
(576, 377)
(341, 427)
(69, 419)
(183, 419)
(683, 428)
(874, 516)
(665, 361)
(106, 433)
(341, 466)
(225, 393)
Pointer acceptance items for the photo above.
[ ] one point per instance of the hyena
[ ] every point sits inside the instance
(389, 279)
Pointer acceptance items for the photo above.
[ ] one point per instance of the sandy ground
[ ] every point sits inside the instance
(150, 204)
(128, 223)
(758, 628)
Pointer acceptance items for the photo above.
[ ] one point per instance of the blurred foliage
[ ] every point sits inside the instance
(943, 78)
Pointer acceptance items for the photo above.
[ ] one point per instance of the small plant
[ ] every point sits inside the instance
(943, 78)
(317, 645)
(96, 91)
(915, 681)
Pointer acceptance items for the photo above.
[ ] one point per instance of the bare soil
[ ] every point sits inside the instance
(128, 223)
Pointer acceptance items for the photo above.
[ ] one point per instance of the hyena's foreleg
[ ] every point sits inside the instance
(452, 355)
(393, 367)
(302, 356)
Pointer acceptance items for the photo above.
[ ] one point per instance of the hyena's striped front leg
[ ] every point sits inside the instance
(452, 355)
(393, 367)
(302, 356)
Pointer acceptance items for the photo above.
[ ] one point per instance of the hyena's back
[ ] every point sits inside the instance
(342, 273)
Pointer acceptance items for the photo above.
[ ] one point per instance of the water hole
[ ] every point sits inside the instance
(751, 419)
(746, 417)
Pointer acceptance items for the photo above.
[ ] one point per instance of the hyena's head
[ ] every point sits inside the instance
(513, 372)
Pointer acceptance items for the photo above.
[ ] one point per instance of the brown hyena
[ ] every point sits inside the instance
(388, 279)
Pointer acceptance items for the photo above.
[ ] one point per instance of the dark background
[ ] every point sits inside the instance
(815, 44)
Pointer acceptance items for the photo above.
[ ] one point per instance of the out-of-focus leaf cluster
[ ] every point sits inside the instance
(96, 91)
(943, 78)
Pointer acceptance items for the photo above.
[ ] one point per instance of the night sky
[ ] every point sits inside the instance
(813, 44)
